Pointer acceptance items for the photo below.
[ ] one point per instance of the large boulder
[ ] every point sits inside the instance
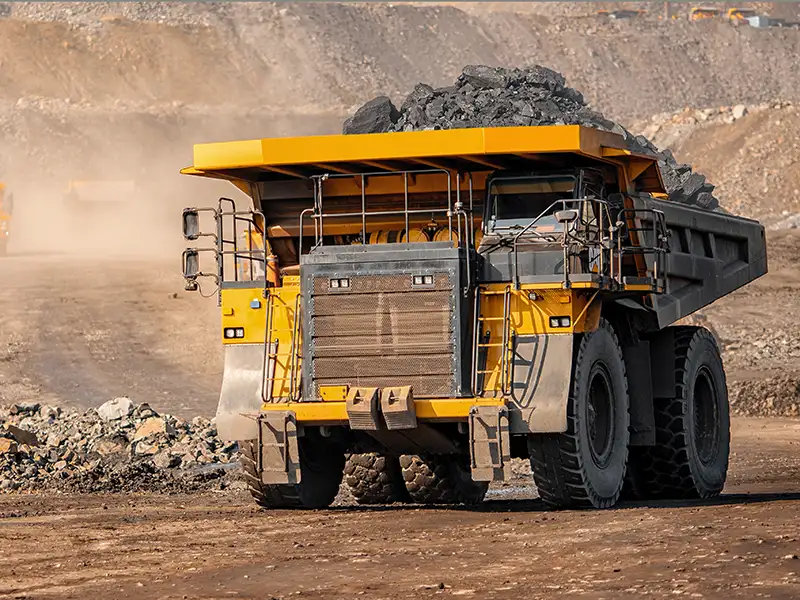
(376, 116)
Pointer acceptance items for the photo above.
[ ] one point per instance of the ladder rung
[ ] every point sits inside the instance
(497, 345)
(492, 293)
(491, 318)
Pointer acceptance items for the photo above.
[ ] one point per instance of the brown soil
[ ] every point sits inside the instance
(219, 546)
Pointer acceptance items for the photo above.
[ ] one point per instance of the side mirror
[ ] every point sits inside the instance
(191, 224)
(566, 216)
(191, 263)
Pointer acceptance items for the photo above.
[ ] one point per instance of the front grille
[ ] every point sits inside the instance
(383, 332)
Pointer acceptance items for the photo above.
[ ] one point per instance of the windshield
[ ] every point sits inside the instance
(520, 200)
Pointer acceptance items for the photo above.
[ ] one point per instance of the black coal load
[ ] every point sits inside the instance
(496, 97)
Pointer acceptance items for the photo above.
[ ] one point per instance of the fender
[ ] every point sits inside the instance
(542, 375)
(240, 397)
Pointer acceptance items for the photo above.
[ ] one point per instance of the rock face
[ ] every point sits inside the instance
(118, 447)
(496, 97)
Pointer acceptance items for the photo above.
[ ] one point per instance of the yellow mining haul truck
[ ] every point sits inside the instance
(421, 367)
(93, 207)
(6, 209)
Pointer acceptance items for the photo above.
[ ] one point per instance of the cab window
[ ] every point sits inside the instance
(517, 201)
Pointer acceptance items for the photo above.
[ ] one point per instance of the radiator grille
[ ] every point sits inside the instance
(383, 331)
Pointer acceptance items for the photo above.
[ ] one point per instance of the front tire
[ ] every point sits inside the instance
(321, 468)
(585, 466)
(690, 458)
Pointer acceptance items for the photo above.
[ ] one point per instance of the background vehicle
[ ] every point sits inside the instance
(6, 210)
(704, 12)
(432, 363)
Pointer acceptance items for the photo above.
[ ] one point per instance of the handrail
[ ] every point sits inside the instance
(566, 235)
(504, 362)
(319, 215)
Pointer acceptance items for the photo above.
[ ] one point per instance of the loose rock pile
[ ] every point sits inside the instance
(496, 97)
(772, 397)
(117, 447)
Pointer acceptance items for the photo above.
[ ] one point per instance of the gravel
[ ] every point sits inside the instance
(507, 97)
(115, 448)
(772, 397)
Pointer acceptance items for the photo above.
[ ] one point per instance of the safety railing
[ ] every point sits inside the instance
(482, 343)
(655, 228)
(454, 210)
(586, 234)
(587, 227)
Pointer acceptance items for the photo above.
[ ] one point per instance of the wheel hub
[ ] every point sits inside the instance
(706, 417)
(600, 414)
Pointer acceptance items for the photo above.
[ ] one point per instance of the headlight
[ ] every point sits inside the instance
(233, 332)
(559, 322)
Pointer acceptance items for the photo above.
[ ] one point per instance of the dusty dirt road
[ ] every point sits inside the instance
(743, 545)
(78, 331)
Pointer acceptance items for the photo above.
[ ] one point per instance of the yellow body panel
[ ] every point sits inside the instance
(238, 312)
(530, 310)
(364, 153)
(445, 409)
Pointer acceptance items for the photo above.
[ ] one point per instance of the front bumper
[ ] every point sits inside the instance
(335, 413)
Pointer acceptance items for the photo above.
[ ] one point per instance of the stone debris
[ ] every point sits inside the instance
(115, 409)
(770, 397)
(497, 97)
(117, 447)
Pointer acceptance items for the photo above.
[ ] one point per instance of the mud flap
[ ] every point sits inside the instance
(542, 375)
(489, 443)
(397, 406)
(278, 457)
(363, 409)
(240, 397)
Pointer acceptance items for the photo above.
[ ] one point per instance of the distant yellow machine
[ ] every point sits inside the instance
(738, 15)
(6, 208)
(90, 204)
(704, 12)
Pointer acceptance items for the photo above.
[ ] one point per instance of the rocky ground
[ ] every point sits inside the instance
(114, 448)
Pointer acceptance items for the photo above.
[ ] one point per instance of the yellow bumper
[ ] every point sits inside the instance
(446, 409)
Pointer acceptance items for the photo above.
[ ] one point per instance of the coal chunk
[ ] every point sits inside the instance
(376, 116)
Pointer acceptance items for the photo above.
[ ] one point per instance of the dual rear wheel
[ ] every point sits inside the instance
(591, 463)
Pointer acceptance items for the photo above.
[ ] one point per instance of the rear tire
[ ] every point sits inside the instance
(375, 478)
(321, 468)
(441, 479)
(690, 459)
(585, 466)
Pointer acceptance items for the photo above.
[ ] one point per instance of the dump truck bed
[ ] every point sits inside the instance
(710, 255)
